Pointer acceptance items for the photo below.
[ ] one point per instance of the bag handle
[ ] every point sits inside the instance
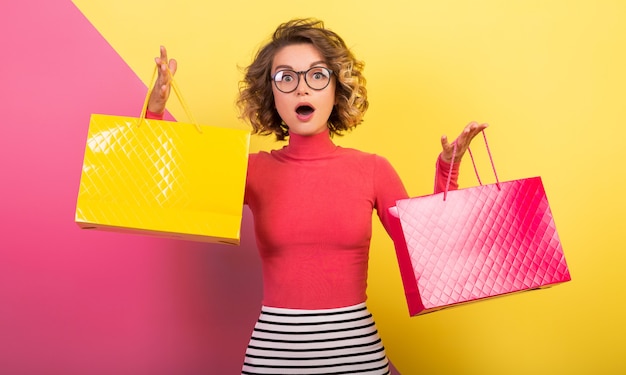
(176, 91)
(493, 166)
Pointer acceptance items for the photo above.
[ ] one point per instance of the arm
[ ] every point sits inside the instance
(154, 116)
(442, 170)
(388, 189)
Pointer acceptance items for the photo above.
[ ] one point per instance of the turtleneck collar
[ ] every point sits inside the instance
(309, 147)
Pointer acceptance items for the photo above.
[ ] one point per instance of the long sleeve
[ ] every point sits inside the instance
(389, 189)
(442, 170)
(154, 116)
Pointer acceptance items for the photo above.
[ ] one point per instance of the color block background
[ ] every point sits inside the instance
(547, 76)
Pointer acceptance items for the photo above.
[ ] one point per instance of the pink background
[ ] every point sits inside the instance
(85, 302)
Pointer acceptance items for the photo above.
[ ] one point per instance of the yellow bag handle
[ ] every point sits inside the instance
(178, 95)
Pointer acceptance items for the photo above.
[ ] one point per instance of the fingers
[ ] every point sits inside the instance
(160, 93)
(446, 149)
(470, 131)
(444, 141)
(462, 141)
(163, 51)
(173, 65)
(162, 62)
(167, 68)
(162, 59)
(165, 63)
(475, 128)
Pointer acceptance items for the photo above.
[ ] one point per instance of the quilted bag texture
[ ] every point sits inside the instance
(477, 243)
(162, 178)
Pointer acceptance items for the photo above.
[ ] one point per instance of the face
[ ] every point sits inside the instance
(305, 110)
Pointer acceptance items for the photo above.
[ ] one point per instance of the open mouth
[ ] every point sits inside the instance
(305, 110)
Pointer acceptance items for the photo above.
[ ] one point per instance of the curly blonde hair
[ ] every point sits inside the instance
(256, 99)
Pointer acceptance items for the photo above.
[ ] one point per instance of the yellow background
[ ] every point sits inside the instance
(548, 76)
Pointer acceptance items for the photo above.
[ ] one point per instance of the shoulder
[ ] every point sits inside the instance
(377, 167)
(260, 155)
(374, 160)
(356, 154)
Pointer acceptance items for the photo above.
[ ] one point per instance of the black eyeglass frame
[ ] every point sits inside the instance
(303, 73)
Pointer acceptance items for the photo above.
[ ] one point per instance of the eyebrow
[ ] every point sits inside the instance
(315, 63)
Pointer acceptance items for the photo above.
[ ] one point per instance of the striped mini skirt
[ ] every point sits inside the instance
(330, 341)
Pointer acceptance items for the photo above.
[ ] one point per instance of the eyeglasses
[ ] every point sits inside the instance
(287, 80)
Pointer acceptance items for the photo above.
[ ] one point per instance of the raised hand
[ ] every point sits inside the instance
(462, 142)
(161, 91)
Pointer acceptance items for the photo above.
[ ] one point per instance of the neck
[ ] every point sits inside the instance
(310, 146)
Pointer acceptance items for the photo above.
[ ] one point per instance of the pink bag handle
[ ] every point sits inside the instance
(493, 166)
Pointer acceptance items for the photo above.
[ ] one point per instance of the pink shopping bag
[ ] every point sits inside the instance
(476, 243)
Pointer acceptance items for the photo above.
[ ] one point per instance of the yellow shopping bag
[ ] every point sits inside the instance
(171, 179)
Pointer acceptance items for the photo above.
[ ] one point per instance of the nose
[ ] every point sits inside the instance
(303, 88)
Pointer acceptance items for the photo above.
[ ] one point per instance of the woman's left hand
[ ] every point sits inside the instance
(462, 142)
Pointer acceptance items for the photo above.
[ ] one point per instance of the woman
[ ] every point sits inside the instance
(312, 202)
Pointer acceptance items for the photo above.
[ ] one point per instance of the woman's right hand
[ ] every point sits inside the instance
(161, 91)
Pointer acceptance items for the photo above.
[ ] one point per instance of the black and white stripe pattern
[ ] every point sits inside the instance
(329, 341)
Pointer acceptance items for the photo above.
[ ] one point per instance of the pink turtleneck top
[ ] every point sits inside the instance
(312, 203)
